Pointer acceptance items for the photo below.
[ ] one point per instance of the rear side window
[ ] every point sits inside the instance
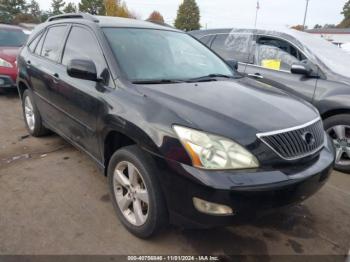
(39, 46)
(34, 43)
(81, 44)
(234, 46)
(53, 42)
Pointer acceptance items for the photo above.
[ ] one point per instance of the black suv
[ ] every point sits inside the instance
(182, 137)
(299, 63)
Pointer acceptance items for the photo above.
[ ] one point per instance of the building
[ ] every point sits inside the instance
(335, 35)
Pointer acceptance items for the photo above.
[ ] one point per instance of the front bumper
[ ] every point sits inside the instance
(247, 192)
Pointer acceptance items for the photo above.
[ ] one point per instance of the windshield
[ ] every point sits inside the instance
(148, 54)
(332, 56)
(11, 37)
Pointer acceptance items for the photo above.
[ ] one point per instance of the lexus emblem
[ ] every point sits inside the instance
(308, 138)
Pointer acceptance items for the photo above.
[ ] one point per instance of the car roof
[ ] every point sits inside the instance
(259, 30)
(107, 21)
(13, 27)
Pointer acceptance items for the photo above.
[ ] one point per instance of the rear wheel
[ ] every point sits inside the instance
(32, 116)
(338, 127)
(136, 192)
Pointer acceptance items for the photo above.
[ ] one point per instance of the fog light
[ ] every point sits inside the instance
(211, 208)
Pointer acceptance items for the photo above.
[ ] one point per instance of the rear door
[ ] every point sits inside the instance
(272, 60)
(41, 65)
(79, 101)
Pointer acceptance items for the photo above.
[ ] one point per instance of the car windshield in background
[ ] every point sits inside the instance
(332, 56)
(10, 37)
(159, 55)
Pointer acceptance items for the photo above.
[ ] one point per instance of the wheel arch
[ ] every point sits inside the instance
(113, 141)
(21, 87)
(334, 112)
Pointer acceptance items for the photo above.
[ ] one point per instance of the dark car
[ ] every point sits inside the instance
(299, 63)
(182, 137)
(12, 38)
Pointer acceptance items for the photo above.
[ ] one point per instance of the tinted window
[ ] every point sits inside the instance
(34, 43)
(147, 54)
(12, 37)
(40, 45)
(233, 46)
(53, 42)
(82, 44)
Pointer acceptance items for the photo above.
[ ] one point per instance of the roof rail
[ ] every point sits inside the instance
(73, 16)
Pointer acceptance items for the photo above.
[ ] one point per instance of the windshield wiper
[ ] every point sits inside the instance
(207, 78)
(158, 81)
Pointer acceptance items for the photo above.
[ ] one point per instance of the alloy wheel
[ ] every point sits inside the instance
(131, 193)
(341, 139)
(29, 113)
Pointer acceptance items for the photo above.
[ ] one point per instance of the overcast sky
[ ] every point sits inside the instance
(229, 13)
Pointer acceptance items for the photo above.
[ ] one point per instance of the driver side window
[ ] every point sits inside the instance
(276, 54)
(87, 49)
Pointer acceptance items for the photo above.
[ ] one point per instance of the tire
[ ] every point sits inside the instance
(154, 215)
(338, 127)
(35, 128)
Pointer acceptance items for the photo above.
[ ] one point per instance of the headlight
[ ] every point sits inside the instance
(4, 63)
(214, 152)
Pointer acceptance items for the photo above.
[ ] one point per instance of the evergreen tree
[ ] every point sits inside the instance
(34, 9)
(94, 7)
(188, 16)
(45, 15)
(70, 8)
(13, 7)
(57, 6)
(346, 12)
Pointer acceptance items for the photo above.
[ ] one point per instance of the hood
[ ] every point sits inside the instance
(341, 78)
(9, 53)
(232, 108)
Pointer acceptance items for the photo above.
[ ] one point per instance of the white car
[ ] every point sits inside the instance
(346, 47)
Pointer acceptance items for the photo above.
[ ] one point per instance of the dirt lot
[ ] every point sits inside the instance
(53, 200)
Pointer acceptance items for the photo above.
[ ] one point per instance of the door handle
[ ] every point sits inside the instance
(256, 75)
(56, 78)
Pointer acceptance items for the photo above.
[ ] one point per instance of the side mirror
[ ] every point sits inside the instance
(301, 69)
(233, 64)
(82, 69)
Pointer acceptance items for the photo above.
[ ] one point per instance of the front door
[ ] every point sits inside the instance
(273, 59)
(79, 101)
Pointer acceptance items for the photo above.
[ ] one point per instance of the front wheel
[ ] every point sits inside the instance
(136, 193)
(338, 127)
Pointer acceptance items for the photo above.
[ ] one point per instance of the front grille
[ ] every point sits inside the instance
(298, 142)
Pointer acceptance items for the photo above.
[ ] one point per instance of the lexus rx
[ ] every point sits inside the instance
(182, 137)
